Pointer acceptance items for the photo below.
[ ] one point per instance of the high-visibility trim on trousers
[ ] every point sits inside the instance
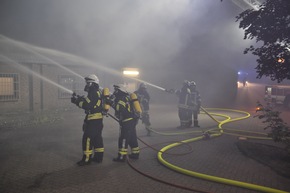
(99, 149)
(135, 150)
(88, 152)
(123, 151)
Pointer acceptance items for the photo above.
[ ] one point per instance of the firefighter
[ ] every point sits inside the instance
(128, 120)
(92, 141)
(194, 104)
(184, 111)
(144, 98)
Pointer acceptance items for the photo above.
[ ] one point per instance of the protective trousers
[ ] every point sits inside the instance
(184, 117)
(92, 141)
(146, 121)
(145, 118)
(128, 137)
(194, 115)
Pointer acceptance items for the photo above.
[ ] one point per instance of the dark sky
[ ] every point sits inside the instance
(183, 36)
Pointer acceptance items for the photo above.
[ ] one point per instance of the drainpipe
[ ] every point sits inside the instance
(30, 88)
(41, 87)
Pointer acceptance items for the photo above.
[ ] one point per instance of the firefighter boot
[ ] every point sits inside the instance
(120, 158)
(134, 156)
(189, 124)
(84, 161)
(195, 124)
(98, 157)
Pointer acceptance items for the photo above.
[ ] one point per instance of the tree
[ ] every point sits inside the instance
(279, 130)
(269, 25)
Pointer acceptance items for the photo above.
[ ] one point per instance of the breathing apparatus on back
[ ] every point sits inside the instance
(121, 89)
(136, 104)
(106, 95)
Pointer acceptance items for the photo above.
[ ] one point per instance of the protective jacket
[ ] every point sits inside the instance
(144, 98)
(123, 108)
(183, 97)
(194, 100)
(92, 104)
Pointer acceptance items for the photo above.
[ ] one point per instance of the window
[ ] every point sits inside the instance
(72, 83)
(9, 87)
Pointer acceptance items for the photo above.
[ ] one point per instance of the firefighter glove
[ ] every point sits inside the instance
(73, 100)
(171, 91)
(105, 112)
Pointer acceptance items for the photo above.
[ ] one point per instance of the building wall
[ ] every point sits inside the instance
(36, 93)
(22, 103)
(51, 99)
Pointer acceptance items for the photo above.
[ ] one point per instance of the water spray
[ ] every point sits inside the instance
(85, 62)
(25, 47)
(153, 85)
(36, 74)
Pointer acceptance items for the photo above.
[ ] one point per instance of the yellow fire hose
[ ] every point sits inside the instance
(209, 177)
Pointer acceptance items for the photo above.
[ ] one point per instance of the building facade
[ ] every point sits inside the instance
(34, 79)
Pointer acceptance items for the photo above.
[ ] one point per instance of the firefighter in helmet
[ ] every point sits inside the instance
(194, 104)
(183, 104)
(144, 98)
(128, 120)
(92, 141)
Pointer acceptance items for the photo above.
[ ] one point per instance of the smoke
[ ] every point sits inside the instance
(127, 32)
(169, 40)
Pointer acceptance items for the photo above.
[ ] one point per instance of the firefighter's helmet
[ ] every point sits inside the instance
(92, 78)
(192, 83)
(186, 83)
(120, 87)
(143, 85)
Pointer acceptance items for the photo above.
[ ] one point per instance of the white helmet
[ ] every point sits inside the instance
(121, 87)
(92, 78)
(192, 83)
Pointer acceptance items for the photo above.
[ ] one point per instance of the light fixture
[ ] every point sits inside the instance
(133, 72)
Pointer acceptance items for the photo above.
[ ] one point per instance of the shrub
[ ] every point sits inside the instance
(279, 130)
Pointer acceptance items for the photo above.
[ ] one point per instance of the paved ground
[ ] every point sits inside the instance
(41, 158)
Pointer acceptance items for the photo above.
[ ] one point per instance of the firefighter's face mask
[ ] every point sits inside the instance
(116, 91)
(87, 87)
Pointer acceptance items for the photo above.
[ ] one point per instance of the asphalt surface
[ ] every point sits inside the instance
(41, 158)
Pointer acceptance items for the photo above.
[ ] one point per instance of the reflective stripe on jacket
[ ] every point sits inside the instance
(93, 105)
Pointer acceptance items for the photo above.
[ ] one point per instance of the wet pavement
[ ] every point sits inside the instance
(42, 158)
(40, 155)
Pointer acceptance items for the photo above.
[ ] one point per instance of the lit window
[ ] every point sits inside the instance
(9, 87)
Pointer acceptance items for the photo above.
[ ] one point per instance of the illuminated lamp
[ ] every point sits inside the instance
(130, 72)
(281, 60)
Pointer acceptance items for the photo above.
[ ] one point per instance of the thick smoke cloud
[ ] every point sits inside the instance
(129, 32)
(169, 40)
